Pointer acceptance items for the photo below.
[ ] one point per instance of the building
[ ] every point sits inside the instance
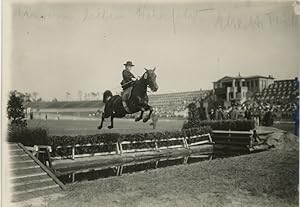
(238, 89)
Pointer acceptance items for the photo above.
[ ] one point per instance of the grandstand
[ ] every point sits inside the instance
(174, 104)
(282, 96)
(280, 92)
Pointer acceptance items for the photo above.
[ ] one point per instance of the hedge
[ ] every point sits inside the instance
(40, 137)
(234, 125)
(27, 136)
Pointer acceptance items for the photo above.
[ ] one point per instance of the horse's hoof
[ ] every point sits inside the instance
(137, 119)
(145, 120)
(110, 127)
(99, 127)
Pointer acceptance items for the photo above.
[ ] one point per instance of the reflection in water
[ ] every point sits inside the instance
(128, 168)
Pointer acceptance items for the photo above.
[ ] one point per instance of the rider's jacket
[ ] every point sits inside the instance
(127, 77)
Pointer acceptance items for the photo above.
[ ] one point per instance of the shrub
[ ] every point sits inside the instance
(15, 109)
(27, 136)
(234, 125)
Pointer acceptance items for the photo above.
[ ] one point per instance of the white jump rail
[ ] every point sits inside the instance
(73, 147)
(156, 148)
(119, 146)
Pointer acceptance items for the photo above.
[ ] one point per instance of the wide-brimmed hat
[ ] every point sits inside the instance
(129, 63)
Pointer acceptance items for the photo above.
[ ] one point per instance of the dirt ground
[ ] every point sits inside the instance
(267, 178)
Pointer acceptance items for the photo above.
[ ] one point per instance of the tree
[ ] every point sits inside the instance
(54, 100)
(15, 109)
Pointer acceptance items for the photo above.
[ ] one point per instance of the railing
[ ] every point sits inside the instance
(186, 142)
(238, 139)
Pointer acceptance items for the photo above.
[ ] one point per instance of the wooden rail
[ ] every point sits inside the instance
(119, 146)
(43, 167)
(242, 139)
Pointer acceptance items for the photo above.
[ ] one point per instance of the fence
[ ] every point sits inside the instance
(185, 142)
(232, 139)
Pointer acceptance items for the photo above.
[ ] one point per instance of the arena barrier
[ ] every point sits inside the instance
(233, 140)
(122, 147)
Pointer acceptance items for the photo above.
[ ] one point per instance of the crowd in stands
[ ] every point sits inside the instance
(279, 93)
(262, 114)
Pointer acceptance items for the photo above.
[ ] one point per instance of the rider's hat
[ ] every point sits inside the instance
(129, 63)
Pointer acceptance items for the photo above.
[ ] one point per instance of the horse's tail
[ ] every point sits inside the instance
(107, 95)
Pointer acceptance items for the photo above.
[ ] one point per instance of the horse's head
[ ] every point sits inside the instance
(150, 78)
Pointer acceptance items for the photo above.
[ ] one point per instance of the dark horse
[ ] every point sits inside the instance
(138, 100)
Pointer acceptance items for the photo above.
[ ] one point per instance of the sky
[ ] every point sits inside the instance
(66, 47)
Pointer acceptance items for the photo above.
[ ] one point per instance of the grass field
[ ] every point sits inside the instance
(263, 179)
(83, 127)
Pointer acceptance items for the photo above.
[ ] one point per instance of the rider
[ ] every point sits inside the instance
(128, 80)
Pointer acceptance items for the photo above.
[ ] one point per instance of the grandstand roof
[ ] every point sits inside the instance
(243, 77)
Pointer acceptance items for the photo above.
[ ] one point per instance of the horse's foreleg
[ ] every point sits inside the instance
(101, 122)
(111, 122)
(141, 116)
(149, 115)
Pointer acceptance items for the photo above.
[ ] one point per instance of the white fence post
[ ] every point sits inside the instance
(117, 148)
(209, 137)
(73, 153)
(185, 159)
(185, 142)
(121, 170)
(156, 146)
(118, 170)
(121, 148)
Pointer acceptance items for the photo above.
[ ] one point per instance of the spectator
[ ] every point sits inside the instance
(220, 113)
(233, 113)
(212, 114)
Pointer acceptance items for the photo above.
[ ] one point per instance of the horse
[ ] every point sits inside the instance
(138, 100)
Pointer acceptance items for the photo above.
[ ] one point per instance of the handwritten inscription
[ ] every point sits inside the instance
(172, 15)
(229, 21)
(232, 22)
(42, 15)
(99, 14)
